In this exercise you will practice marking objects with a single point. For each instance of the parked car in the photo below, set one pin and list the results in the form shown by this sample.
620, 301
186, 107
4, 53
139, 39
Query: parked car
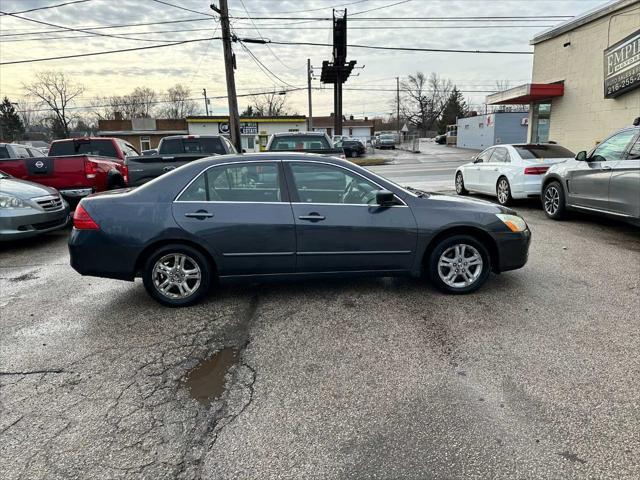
351, 148
173, 152
28, 209
604, 181
75, 167
303, 142
276, 216
387, 140
509, 171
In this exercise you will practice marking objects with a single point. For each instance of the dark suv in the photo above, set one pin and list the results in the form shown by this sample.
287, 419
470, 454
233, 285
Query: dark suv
605, 180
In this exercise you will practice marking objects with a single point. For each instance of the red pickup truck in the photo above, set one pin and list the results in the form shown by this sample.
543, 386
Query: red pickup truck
76, 167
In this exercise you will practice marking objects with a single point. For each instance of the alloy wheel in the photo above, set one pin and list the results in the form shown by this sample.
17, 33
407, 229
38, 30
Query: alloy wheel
503, 191
460, 265
459, 184
176, 276
551, 200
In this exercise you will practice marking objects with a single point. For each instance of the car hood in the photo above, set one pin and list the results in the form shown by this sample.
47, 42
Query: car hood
467, 203
24, 189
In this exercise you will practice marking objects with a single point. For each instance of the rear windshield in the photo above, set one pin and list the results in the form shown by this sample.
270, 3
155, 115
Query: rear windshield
100, 148
299, 142
532, 152
192, 145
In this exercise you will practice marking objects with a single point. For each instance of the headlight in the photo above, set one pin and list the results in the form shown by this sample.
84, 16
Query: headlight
9, 201
514, 222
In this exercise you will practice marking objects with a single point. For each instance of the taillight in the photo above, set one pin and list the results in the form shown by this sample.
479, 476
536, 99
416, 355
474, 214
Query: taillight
90, 169
125, 173
535, 170
82, 220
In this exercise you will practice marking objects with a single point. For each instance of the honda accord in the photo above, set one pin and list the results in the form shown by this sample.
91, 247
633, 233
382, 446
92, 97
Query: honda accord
288, 215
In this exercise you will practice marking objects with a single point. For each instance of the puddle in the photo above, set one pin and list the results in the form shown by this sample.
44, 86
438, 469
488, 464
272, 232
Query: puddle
206, 381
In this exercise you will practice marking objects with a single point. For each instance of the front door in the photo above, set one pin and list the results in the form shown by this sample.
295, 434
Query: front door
624, 186
589, 181
490, 171
242, 212
473, 177
340, 228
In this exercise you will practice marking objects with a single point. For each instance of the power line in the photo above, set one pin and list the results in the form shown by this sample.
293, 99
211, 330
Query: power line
47, 7
317, 9
183, 8
379, 8
262, 65
492, 18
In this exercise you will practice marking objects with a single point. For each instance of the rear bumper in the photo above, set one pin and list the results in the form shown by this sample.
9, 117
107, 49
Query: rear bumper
29, 222
92, 253
76, 192
513, 250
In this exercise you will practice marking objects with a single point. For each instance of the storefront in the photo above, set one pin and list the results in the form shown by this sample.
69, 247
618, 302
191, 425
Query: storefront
254, 131
586, 78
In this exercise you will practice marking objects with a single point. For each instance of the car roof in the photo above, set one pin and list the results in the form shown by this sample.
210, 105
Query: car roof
275, 156
280, 134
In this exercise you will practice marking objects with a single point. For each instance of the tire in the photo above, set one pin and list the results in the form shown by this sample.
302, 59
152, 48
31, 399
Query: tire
161, 264
354, 154
472, 277
460, 190
503, 191
553, 201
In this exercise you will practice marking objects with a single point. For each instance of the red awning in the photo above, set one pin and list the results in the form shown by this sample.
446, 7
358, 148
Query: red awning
527, 93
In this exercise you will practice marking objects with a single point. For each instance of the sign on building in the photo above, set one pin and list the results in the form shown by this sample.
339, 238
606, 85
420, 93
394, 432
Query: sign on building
622, 66
246, 128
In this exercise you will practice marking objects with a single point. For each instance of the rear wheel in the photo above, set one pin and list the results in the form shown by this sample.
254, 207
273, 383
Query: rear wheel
553, 201
503, 191
354, 154
459, 264
177, 275
460, 190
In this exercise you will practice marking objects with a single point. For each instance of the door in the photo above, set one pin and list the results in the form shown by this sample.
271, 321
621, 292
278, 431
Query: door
340, 228
241, 211
491, 170
624, 186
589, 181
472, 173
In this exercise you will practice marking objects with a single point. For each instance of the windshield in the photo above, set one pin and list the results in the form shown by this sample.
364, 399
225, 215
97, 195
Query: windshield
192, 145
299, 142
387, 137
533, 152
102, 148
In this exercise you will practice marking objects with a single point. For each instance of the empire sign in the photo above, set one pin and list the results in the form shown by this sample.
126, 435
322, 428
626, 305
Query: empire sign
622, 66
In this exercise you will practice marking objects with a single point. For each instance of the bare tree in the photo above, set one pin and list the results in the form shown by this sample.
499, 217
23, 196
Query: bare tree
270, 104
28, 113
178, 103
424, 99
140, 103
55, 91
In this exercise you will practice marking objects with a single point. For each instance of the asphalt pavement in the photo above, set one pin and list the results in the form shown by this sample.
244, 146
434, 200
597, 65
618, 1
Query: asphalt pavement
533, 376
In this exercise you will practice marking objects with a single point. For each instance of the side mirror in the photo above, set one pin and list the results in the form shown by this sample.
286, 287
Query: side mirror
384, 198
581, 156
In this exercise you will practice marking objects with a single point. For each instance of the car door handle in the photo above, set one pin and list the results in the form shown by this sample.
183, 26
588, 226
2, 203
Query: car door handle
169, 168
200, 215
606, 167
314, 217
495, 169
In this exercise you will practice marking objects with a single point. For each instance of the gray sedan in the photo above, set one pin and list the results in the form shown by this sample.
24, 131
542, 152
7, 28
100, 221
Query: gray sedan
28, 209
604, 181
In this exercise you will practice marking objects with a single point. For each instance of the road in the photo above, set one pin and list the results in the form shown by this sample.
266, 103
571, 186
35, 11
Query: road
534, 376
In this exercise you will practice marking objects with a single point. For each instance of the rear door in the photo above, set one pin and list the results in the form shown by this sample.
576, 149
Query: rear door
242, 212
340, 228
624, 186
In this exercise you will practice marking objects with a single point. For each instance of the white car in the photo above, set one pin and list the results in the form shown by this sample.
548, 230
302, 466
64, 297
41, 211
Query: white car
510, 171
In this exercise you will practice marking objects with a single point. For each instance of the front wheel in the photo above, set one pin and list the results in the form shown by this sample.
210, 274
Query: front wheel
459, 264
177, 275
553, 201
503, 191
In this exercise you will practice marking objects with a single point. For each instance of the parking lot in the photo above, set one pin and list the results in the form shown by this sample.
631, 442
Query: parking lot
534, 376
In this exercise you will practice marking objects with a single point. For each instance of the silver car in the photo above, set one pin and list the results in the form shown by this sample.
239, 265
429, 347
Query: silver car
28, 209
606, 180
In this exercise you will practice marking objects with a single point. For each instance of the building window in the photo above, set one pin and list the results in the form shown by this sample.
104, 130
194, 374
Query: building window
250, 144
145, 143
540, 122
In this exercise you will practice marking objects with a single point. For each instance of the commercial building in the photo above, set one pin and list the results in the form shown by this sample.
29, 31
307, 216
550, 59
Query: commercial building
482, 131
361, 128
254, 131
142, 133
586, 77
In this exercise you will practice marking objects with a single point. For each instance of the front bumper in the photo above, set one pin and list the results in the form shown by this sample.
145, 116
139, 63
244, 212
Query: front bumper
28, 222
513, 249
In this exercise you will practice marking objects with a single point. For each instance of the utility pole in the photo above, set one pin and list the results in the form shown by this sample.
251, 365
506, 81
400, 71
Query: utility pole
206, 101
398, 103
310, 122
229, 66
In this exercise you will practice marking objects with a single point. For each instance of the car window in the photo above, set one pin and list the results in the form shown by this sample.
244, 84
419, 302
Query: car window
299, 142
317, 183
500, 155
634, 151
128, 150
102, 148
541, 151
34, 152
484, 156
4, 153
244, 182
613, 148
192, 145
21, 152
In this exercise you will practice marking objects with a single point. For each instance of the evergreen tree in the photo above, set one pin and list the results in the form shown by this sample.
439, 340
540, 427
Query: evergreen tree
455, 108
248, 112
11, 127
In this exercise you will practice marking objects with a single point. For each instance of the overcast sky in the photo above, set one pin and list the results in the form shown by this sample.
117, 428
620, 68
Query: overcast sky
200, 65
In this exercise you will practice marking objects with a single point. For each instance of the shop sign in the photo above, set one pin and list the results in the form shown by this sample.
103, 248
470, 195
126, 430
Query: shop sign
622, 66
246, 128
